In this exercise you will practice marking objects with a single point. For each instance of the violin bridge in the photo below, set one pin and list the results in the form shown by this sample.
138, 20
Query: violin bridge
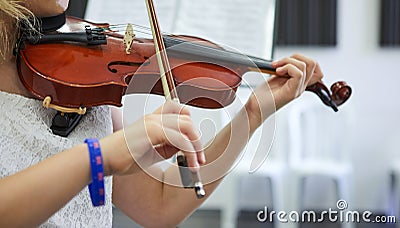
128, 38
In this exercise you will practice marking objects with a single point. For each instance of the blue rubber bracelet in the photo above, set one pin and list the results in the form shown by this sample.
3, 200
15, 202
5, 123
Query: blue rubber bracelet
96, 187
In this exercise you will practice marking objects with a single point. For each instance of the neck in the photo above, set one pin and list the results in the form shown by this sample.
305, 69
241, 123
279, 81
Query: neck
10, 80
205, 53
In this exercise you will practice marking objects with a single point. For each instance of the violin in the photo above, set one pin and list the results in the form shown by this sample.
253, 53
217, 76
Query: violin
87, 64
92, 64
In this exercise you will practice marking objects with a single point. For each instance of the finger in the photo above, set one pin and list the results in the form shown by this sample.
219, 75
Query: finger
318, 75
167, 151
291, 71
183, 124
296, 83
289, 60
179, 123
166, 136
174, 142
192, 161
172, 107
186, 128
295, 62
310, 66
318, 70
201, 157
179, 141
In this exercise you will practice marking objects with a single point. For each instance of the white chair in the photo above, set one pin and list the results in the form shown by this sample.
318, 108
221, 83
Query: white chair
391, 148
318, 140
394, 188
272, 174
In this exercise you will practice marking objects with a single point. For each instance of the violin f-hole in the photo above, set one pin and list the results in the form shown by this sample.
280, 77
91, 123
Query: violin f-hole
124, 63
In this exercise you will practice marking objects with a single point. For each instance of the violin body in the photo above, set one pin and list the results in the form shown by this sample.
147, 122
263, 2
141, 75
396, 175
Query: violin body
68, 73
78, 75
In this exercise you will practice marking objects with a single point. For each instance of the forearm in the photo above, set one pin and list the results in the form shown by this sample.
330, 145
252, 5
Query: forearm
221, 155
30, 197
171, 204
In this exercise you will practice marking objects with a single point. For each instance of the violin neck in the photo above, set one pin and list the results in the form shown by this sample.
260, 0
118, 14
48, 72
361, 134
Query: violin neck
200, 52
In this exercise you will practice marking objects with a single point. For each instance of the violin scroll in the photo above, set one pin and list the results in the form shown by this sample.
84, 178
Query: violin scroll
339, 94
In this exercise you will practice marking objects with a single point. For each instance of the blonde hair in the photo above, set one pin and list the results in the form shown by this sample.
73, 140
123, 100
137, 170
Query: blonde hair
12, 14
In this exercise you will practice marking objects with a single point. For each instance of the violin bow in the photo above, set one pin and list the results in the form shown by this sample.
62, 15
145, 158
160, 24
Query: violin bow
189, 178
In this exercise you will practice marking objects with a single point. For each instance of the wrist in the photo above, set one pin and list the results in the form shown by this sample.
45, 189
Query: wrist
106, 159
258, 110
116, 155
261, 104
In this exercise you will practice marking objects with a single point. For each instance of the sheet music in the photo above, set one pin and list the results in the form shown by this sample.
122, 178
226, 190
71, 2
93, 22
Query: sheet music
245, 25
132, 11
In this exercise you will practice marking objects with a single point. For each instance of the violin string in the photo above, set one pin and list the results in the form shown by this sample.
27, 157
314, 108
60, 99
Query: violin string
147, 31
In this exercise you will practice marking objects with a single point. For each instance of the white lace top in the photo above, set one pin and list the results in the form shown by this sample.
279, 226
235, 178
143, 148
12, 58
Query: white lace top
26, 139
